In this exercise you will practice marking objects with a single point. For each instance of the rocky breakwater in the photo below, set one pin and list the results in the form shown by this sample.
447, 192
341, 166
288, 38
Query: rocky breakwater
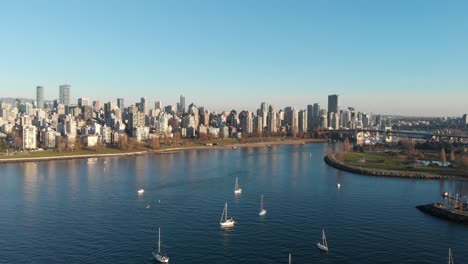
445, 212
332, 161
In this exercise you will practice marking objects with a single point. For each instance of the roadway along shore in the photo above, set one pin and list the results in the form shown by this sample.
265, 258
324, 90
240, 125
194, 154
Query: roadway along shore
163, 151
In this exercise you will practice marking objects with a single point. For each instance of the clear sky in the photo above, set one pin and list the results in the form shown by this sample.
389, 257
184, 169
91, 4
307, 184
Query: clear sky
395, 57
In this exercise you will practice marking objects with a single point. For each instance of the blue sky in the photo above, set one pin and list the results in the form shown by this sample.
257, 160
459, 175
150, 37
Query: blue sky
400, 57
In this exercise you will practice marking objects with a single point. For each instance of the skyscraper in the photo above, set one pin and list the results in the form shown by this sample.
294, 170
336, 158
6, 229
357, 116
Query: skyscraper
158, 105
182, 104
310, 116
144, 105
317, 115
64, 94
40, 97
333, 103
83, 102
120, 103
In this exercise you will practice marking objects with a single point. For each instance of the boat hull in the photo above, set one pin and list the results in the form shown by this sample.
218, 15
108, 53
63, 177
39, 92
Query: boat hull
160, 258
238, 191
262, 212
322, 247
227, 223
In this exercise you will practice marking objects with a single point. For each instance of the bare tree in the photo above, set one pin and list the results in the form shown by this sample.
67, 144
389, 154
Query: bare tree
123, 142
346, 145
443, 155
17, 139
61, 144
452, 156
177, 138
154, 143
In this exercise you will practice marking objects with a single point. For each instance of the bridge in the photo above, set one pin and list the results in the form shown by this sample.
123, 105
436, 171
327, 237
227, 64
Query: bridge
361, 134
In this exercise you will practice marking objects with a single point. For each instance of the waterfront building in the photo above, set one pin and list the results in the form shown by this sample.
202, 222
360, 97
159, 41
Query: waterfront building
29, 137
70, 129
40, 97
302, 121
323, 118
465, 119
48, 138
162, 126
258, 125
272, 122
64, 94
310, 116
294, 121
136, 119
334, 120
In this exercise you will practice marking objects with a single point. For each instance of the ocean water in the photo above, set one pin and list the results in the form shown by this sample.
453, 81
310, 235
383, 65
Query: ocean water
80, 211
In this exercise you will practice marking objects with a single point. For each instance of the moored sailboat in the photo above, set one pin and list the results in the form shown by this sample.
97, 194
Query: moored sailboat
224, 221
159, 256
323, 245
237, 188
450, 258
263, 211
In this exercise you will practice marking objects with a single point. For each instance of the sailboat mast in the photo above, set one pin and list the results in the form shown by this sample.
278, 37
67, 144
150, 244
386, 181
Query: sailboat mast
159, 240
450, 260
289, 258
261, 203
225, 216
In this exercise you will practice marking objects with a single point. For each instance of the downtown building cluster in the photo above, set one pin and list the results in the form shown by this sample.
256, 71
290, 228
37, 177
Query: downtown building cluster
60, 123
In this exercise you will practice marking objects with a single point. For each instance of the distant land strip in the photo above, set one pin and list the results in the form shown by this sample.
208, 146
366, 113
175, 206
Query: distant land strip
331, 160
162, 151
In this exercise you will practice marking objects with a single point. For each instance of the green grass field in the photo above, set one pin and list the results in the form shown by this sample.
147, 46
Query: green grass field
396, 162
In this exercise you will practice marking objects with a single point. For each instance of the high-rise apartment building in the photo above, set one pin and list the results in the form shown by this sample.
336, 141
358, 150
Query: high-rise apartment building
333, 103
158, 105
64, 94
181, 105
83, 102
316, 115
120, 103
144, 105
40, 97
302, 122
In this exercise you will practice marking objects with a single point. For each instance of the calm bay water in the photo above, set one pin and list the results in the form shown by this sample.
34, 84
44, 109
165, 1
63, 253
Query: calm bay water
81, 211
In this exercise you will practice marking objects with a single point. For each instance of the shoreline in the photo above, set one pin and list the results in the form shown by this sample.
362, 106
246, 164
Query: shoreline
331, 161
443, 212
164, 151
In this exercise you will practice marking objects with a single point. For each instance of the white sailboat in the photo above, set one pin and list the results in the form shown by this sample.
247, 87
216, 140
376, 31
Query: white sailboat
323, 245
141, 191
224, 221
450, 259
237, 189
263, 211
289, 258
159, 256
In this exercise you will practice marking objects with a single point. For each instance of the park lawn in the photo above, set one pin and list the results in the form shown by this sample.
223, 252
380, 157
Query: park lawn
54, 153
388, 161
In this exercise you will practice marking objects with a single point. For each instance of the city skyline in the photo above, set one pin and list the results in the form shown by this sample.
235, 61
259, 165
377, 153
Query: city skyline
224, 56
